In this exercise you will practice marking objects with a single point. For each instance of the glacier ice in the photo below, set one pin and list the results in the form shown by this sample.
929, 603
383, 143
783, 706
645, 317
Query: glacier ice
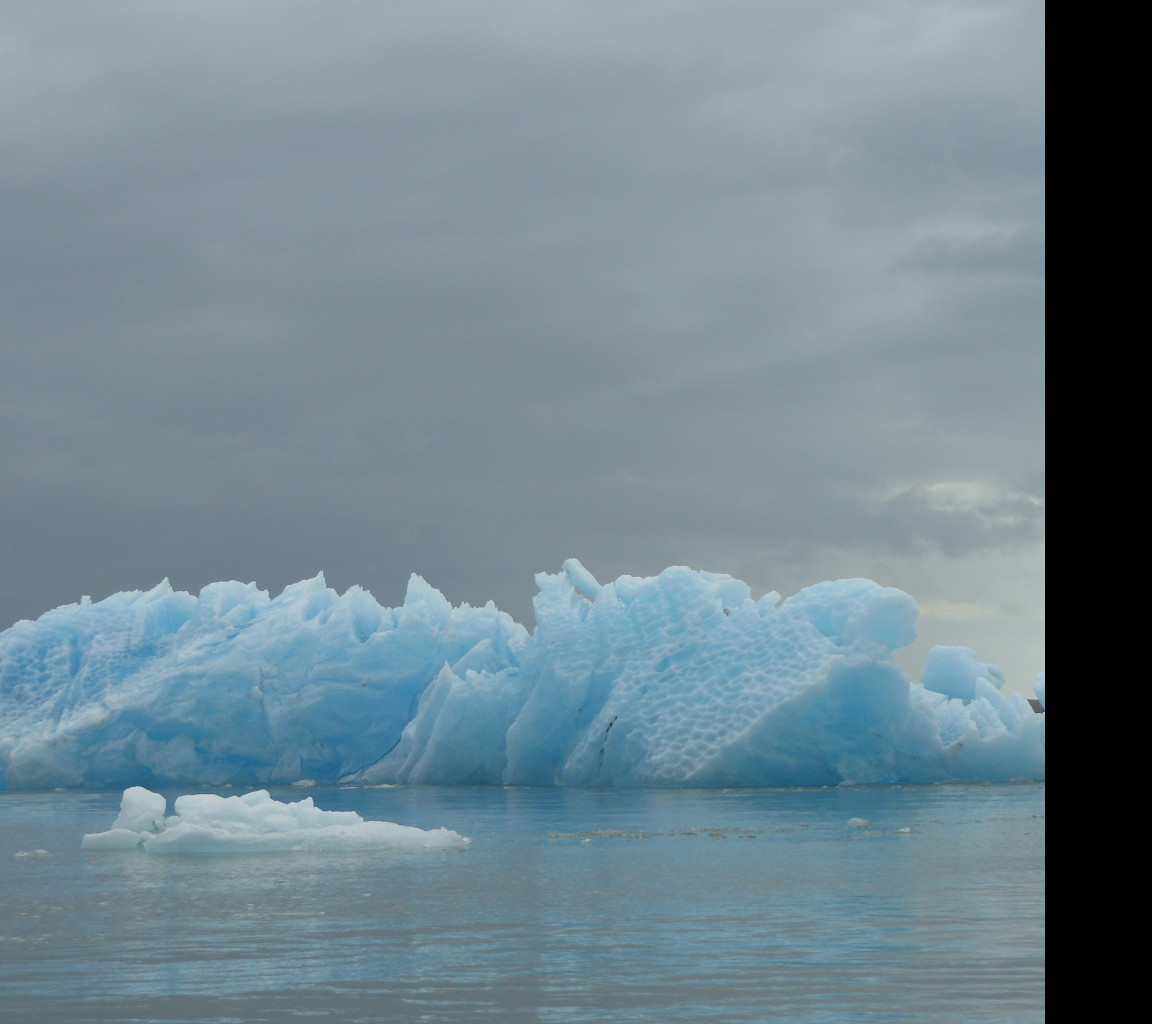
681, 679
254, 823
958, 672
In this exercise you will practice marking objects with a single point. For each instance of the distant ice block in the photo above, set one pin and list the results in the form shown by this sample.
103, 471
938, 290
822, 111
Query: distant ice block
140, 810
958, 672
255, 823
681, 679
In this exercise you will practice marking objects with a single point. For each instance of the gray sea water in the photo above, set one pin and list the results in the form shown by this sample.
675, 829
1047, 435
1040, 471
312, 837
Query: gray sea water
570, 905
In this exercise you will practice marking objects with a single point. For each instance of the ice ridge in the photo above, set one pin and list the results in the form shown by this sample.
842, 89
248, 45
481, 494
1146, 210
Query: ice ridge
681, 679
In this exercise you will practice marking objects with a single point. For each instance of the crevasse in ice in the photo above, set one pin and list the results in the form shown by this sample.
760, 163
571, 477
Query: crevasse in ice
676, 680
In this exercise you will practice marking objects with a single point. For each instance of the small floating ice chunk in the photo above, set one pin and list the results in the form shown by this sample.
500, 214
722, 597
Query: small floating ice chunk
254, 822
140, 810
859, 822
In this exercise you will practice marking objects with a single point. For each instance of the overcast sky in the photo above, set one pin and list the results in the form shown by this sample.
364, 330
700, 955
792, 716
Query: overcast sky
468, 288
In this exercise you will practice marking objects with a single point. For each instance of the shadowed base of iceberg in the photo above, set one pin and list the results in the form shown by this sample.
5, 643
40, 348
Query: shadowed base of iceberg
676, 680
255, 823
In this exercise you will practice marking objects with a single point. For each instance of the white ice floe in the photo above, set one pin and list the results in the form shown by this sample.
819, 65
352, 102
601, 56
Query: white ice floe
254, 823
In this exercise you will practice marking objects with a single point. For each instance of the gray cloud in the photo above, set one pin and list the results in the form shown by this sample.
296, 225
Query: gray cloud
1021, 251
466, 289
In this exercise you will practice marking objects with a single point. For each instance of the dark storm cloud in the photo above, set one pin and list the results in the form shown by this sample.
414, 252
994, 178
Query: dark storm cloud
465, 289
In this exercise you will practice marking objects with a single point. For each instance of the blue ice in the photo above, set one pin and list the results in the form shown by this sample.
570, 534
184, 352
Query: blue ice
681, 679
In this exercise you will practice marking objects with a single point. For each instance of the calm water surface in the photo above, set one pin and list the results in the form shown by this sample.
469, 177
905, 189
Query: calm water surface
570, 905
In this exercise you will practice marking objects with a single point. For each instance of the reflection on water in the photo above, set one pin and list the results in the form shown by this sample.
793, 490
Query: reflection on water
570, 905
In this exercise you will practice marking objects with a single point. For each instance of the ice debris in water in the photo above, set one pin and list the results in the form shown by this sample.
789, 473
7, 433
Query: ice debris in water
254, 823
681, 679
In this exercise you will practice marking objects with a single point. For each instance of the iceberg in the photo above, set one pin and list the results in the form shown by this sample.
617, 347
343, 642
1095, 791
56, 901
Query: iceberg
254, 823
680, 679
